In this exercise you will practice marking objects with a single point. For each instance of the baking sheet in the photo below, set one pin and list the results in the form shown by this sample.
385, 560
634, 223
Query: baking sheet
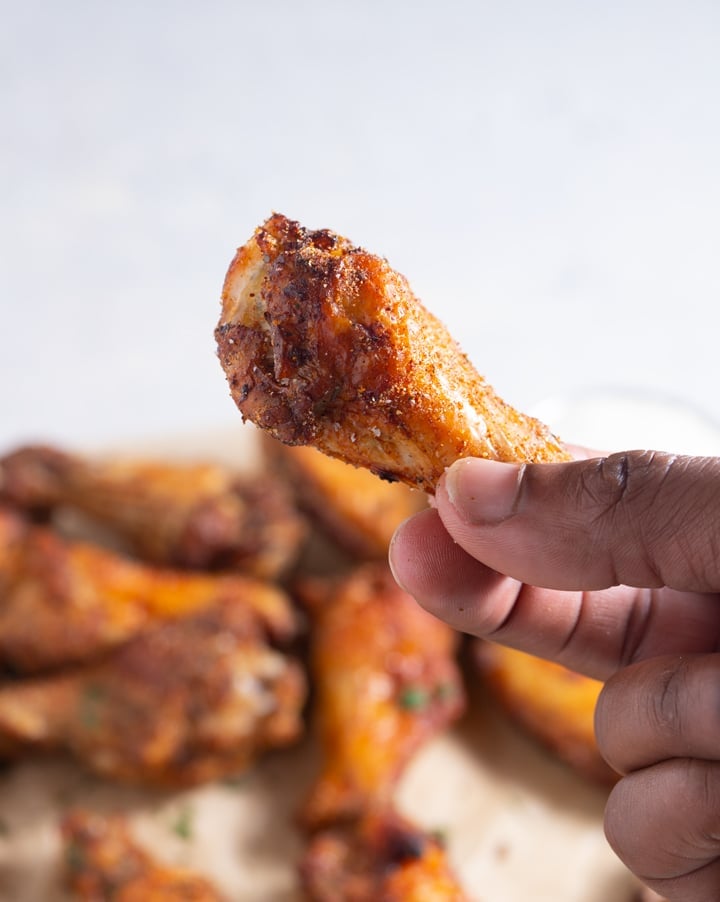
519, 825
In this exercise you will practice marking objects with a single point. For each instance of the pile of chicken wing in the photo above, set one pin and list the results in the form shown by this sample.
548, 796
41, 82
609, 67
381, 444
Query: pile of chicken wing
168, 624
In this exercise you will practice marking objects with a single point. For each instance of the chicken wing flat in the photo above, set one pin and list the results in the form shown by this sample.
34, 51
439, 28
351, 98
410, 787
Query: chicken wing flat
325, 344
198, 515
356, 509
380, 858
103, 863
554, 704
386, 681
64, 601
181, 704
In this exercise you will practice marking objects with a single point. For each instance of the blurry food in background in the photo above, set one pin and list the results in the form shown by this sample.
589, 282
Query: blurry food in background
198, 515
554, 704
324, 344
354, 507
385, 680
173, 677
182, 703
380, 856
64, 601
103, 863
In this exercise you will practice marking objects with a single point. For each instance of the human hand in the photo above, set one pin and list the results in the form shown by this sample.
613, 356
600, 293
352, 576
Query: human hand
599, 564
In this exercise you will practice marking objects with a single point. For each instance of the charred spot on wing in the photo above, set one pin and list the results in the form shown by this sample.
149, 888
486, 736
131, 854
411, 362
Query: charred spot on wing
324, 239
403, 845
373, 333
386, 475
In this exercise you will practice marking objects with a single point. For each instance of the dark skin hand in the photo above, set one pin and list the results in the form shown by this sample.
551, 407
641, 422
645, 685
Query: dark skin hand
611, 567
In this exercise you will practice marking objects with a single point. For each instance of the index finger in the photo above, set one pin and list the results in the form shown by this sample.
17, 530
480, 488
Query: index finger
594, 633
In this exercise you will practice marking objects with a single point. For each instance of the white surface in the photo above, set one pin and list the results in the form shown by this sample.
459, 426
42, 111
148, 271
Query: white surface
608, 419
545, 174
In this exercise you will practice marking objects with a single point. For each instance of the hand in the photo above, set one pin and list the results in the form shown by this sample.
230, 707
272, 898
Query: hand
599, 564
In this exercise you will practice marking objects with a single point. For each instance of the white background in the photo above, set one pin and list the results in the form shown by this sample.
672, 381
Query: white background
547, 175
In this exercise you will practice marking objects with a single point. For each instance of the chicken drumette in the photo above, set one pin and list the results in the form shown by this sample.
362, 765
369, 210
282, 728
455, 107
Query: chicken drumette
182, 703
197, 515
385, 679
64, 601
325, 344
352, 506
103, 863
378, 858
554, 704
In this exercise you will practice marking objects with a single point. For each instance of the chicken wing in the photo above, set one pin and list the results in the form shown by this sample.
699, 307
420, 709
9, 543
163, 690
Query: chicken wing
380, 858
197, 515
103, 863
356, 509
324, 344
385, 679
180, 704
554, 704
64, 601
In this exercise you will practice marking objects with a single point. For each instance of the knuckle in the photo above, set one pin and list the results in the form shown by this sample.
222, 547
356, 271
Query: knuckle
667, 706
623, 479
625, 491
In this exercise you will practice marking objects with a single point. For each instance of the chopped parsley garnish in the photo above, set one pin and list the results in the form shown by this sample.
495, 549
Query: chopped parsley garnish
91, 703
183, 825
413, 698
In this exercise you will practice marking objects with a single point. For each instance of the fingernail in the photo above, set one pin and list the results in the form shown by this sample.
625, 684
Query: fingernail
482, 491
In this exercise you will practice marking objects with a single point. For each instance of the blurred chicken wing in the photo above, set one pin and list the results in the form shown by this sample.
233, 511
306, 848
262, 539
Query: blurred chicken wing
65, 601
185, 515
103, 863
182, 703
356, 509
324, 344
379, 858
386, 681
554, 704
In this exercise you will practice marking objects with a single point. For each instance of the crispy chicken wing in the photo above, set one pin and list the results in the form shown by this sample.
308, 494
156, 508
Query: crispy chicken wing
65, 601
386, 680
324, 344
356, 509
182, 703
103, 863
186, 515
554, 704
379, 858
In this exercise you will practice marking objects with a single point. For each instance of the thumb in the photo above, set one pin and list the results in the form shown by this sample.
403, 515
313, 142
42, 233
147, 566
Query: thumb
641, 518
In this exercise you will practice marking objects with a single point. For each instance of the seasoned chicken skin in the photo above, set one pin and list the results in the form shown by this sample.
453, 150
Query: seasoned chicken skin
103, 863
379, 858
386, 681
554, 704
198, 515
325, 344
180, 704
64, 601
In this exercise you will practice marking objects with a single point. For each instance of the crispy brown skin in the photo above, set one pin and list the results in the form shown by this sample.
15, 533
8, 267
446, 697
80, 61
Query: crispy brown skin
103, 863
554, 704
198, 515
182, 703
64, 601
380, 858
386, 681
325, 344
